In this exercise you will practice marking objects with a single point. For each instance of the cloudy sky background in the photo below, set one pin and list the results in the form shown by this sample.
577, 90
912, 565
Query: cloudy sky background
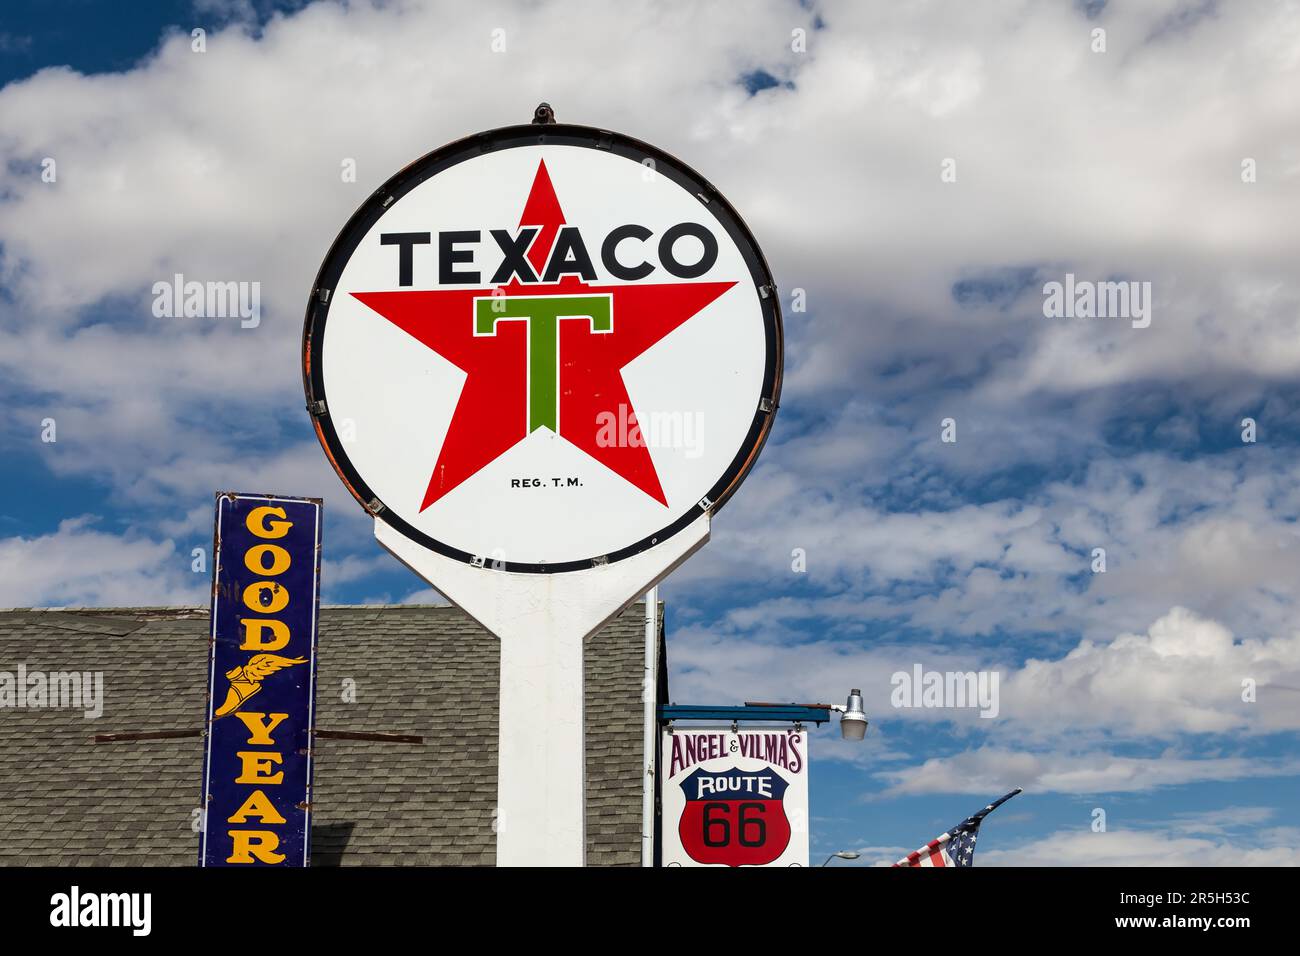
1120, 691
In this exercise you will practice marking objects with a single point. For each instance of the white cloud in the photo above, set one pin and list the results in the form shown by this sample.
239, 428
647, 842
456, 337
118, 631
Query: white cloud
78, 565
1183, 676
1156, 844
335, 573
1221, 821
1082, 847
226, 164
993, 769
1186, 674
424, 596
1216, 535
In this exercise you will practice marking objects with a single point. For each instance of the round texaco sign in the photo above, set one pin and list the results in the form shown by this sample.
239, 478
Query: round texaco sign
543, 348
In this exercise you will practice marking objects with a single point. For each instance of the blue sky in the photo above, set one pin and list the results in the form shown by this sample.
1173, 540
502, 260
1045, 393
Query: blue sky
924, 301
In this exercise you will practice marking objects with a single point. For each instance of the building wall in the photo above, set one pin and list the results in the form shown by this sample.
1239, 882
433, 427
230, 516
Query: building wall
429, 671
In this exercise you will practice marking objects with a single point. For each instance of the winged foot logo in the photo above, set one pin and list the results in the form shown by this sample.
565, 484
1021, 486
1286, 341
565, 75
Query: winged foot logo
246, 680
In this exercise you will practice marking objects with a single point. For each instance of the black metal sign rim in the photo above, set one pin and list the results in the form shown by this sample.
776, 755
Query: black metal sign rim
340, 252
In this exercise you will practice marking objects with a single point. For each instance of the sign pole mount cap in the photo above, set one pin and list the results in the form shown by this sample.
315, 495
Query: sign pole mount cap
544, 115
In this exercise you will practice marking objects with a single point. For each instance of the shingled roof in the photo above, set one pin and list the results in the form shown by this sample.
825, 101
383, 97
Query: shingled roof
425, 670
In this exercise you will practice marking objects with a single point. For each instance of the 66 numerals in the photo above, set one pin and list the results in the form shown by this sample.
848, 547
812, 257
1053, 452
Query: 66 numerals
731, 824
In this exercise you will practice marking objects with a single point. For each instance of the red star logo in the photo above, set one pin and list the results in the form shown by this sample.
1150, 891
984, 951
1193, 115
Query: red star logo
499, 405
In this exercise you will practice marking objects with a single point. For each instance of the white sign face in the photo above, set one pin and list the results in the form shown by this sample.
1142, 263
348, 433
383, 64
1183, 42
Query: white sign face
543, 349
734, 798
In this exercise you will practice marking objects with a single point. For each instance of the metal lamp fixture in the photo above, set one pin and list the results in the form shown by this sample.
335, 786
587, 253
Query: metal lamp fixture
841, 855
853, 720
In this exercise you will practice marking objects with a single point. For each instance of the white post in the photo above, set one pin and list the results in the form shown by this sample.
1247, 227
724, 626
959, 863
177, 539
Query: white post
541, 777
650, 687
542, 621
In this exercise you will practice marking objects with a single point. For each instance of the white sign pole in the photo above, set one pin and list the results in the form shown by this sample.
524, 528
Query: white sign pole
541, 771
650, 731
542, 621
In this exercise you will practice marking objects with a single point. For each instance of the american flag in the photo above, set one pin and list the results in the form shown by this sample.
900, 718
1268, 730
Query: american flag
957, 846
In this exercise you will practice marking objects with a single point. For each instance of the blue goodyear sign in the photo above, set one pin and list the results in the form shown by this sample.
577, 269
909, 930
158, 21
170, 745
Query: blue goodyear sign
262, 682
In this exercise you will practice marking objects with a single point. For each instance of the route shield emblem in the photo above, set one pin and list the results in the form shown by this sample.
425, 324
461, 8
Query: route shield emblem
734, 818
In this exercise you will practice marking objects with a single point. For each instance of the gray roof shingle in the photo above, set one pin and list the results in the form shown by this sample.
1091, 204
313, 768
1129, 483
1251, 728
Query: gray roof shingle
426, 670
